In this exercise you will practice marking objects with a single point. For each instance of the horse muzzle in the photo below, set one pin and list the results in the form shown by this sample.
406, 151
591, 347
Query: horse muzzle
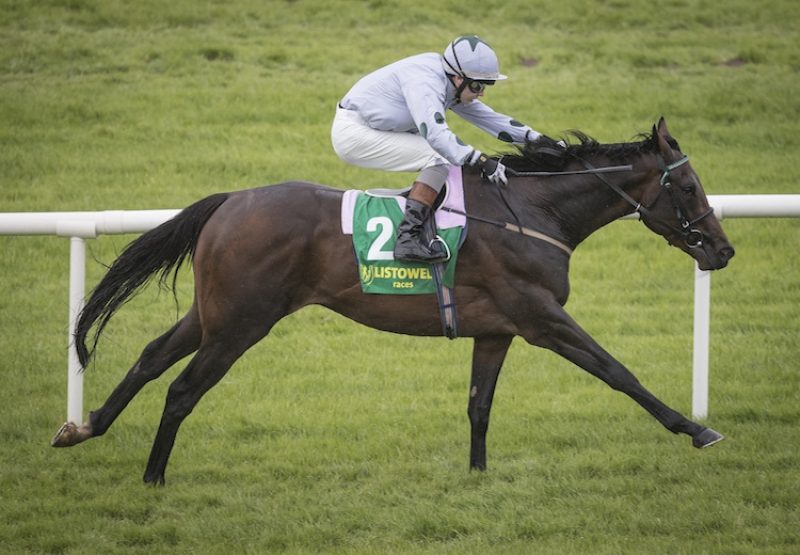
714, 259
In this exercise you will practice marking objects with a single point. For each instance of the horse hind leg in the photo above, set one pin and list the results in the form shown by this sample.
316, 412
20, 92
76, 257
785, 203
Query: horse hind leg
159, 355
211, 362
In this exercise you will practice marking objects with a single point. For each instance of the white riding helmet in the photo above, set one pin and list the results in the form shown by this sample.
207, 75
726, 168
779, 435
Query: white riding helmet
470, 57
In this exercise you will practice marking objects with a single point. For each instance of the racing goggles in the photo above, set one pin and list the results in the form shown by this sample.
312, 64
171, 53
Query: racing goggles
478, 86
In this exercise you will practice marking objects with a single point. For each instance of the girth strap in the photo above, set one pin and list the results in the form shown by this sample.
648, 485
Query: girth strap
444, 294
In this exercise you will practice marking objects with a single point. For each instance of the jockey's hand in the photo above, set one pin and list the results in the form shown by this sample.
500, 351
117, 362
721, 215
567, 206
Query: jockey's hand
492, 170
495, 172
549, 153
532, 137
546, 141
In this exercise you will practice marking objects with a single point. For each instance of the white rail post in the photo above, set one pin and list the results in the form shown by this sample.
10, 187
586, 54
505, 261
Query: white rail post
77, 287
78, 230
702, 331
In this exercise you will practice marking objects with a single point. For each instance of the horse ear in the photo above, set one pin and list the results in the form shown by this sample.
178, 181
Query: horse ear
660, 136
662, 127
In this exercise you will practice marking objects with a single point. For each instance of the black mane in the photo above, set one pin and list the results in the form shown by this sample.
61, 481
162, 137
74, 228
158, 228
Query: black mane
538, 155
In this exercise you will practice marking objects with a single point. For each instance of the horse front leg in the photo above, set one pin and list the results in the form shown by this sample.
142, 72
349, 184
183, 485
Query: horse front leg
488, 354
561, 334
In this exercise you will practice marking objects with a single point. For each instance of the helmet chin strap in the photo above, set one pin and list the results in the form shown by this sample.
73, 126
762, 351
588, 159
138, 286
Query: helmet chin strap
459, 88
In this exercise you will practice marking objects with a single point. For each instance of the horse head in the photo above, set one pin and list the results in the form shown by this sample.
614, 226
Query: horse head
676, 207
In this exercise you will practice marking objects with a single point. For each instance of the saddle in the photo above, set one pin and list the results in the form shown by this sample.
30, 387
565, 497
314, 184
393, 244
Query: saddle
372, 217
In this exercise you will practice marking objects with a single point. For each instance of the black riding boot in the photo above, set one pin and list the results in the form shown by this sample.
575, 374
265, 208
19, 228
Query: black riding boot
411, 245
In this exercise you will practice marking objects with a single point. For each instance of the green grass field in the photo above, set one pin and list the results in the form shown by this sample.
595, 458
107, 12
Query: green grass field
322, 439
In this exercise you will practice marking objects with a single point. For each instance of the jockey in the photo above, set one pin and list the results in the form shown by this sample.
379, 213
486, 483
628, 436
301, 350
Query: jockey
394, 119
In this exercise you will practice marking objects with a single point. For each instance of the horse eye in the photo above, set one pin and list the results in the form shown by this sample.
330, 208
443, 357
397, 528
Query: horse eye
688, 189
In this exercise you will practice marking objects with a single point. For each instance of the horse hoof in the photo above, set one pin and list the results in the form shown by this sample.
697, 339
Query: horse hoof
155, 480
707, 438
65, 436
71, 434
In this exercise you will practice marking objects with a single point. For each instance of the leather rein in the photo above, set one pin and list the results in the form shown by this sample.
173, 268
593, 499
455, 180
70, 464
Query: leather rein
693, 237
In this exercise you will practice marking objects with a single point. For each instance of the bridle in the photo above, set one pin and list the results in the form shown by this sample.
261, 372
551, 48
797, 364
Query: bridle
691, 235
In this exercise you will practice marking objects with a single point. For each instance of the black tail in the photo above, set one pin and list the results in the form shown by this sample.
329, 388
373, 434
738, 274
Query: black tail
162, 249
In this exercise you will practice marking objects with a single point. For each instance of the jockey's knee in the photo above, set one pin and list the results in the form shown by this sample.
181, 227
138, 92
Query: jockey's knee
434, 176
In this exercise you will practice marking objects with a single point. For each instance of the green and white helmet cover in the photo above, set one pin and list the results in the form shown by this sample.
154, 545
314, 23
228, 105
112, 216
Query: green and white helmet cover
470, 57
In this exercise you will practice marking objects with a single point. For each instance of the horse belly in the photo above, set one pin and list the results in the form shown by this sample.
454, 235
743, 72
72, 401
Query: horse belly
409, 315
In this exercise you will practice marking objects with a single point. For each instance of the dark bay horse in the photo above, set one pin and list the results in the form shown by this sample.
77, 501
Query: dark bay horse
261, 254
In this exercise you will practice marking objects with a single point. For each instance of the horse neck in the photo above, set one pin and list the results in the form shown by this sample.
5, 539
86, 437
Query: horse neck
577, 206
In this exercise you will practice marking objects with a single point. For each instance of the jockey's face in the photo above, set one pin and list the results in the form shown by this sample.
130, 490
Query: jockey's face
467, 95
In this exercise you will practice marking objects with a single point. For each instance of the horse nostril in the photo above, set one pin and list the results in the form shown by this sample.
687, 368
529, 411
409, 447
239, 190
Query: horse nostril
727, 253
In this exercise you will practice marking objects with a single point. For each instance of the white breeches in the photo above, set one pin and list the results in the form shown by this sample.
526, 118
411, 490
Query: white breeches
357, 143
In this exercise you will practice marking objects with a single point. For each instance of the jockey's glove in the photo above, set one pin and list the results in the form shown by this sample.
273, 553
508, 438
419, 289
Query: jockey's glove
550, 154
492, 169
531, 137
